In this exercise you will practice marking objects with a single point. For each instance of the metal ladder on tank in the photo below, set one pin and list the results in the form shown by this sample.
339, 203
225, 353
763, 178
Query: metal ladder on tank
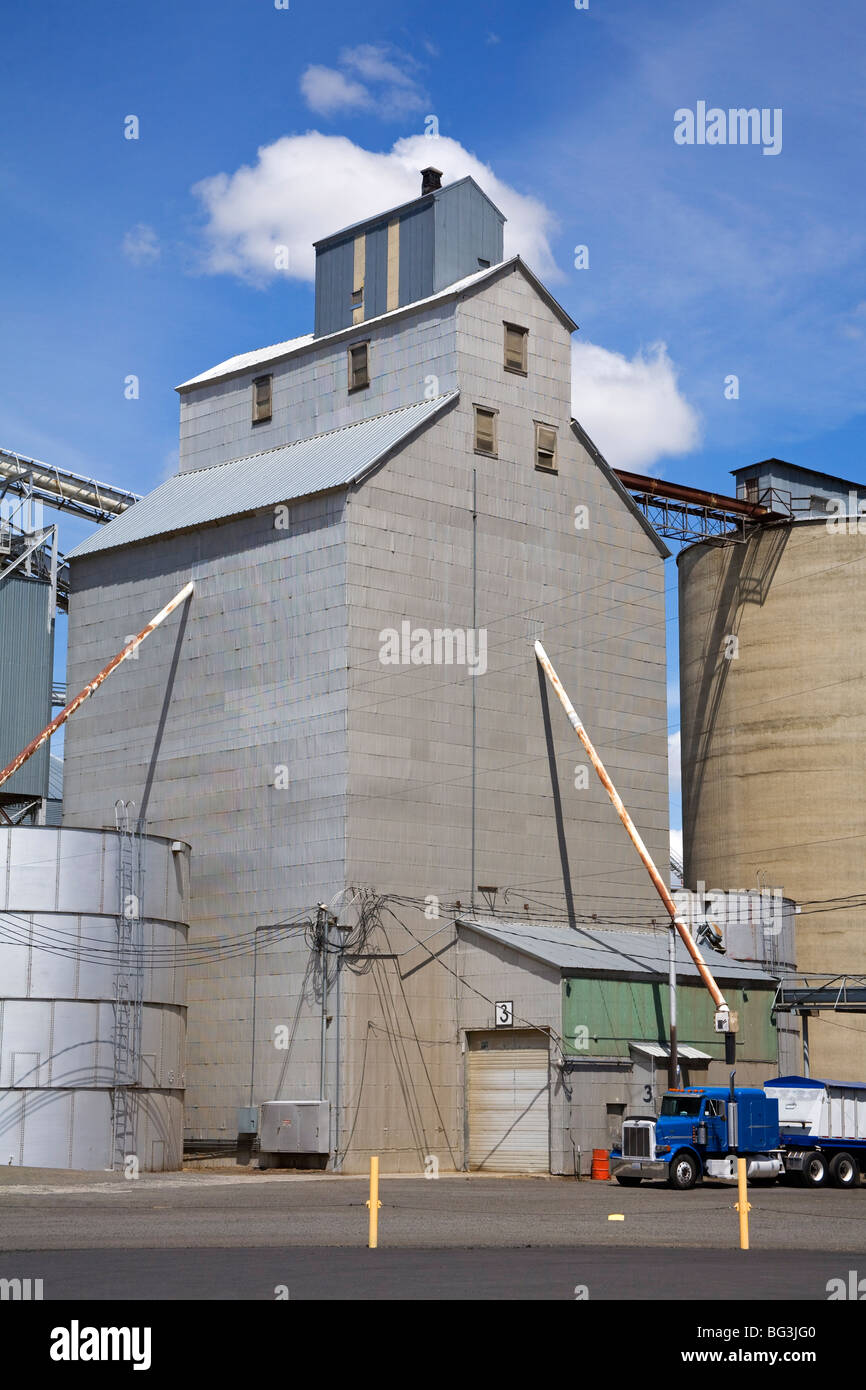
128, 986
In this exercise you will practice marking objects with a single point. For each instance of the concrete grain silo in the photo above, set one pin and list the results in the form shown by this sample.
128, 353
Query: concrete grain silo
773, 695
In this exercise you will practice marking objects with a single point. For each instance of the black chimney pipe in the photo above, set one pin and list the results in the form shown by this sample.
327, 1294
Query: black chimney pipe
431, 179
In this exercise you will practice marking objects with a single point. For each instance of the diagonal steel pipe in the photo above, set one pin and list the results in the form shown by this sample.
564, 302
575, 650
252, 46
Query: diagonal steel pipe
634, 835
61, 718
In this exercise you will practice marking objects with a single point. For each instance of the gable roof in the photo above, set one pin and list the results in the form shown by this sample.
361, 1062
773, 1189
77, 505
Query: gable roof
280, 352
322, 463
635, 954
423, 199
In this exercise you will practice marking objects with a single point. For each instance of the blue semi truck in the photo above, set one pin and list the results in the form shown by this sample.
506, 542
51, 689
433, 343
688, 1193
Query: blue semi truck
795, 1128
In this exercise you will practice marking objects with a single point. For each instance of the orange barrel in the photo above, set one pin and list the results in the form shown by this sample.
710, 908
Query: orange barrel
601, 1164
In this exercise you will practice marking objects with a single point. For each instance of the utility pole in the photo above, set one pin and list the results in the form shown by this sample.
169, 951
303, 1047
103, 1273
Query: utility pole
804, 1017
322, 939
673, 1059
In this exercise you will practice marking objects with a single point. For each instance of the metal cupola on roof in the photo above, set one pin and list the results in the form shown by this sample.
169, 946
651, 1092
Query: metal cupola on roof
407, 253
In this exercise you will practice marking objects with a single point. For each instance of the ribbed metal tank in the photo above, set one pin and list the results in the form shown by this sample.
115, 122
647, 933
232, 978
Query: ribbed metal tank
59, 905
773, 717
27, 646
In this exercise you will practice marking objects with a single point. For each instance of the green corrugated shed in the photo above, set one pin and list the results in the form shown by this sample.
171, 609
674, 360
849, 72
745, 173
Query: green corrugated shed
617, 1012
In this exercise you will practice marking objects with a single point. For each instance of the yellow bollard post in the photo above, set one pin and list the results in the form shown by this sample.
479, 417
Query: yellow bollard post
743, 1206
374, 1204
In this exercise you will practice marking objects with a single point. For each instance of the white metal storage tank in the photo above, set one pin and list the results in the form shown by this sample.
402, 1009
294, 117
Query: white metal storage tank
60, 895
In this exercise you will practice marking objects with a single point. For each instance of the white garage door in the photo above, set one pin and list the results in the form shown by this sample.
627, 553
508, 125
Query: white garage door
507, 1079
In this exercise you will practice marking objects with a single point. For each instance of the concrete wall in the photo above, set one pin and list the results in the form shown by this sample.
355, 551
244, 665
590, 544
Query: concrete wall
772, 741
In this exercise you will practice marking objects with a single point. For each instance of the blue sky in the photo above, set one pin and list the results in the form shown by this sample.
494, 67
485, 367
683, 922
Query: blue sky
738, 262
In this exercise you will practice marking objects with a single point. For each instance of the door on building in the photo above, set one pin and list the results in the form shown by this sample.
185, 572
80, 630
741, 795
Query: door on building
507, 1102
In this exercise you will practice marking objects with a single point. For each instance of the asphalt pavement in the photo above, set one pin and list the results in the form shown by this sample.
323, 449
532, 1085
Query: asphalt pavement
274, 1235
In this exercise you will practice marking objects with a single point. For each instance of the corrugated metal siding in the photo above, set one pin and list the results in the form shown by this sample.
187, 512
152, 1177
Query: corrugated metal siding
334, 268
263, 480
617, 1012
509, 1128
468, 228
376, 279
27, 649
416, 254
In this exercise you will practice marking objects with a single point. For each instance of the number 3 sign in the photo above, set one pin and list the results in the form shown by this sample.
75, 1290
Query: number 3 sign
504, 1014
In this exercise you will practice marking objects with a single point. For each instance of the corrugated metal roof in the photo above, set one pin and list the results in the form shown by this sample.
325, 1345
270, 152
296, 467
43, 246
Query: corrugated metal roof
244, 485
603, 952
244, 360
379, 217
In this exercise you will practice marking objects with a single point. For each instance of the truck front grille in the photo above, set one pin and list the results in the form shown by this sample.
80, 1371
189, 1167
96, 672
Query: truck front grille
636, 1141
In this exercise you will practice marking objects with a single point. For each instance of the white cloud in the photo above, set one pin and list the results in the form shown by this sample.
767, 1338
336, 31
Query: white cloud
141, 244
393, 89
303, 187
375, 63
327, 91
633, 409
677, 844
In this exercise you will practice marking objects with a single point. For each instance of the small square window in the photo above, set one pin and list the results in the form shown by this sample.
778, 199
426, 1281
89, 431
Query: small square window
357, 297
262, 398
516, 340
545, 447
359, 366
485, 431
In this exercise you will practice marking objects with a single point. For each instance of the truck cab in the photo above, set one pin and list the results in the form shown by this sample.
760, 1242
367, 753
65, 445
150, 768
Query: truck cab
690, 1138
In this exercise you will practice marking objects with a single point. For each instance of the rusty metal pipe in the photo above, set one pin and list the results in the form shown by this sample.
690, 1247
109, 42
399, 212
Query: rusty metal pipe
659, 883
88, 690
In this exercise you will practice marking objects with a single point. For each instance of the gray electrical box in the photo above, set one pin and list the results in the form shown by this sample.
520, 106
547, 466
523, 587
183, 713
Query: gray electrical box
295, 1127
248, 1121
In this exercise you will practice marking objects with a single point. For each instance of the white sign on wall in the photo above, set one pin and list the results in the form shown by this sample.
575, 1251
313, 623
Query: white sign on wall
504, 1013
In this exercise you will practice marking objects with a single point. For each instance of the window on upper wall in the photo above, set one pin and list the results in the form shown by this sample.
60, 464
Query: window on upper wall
359, 366
263, 388
485, 430
545, 447
516, 340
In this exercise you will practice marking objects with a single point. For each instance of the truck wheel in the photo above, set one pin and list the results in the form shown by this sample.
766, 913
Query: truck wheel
814, 1173
844, 1171
683, 1172
627, 1181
